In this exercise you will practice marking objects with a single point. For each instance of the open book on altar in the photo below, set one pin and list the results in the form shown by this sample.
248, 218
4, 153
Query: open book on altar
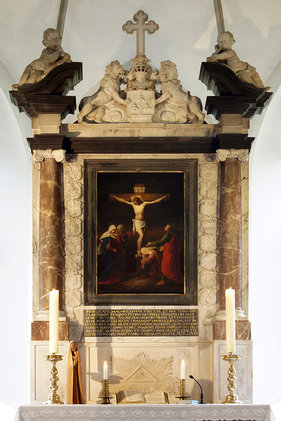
132, 396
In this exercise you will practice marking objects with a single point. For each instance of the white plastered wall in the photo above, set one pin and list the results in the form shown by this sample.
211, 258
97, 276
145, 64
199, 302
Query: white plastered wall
265, 254
15, 253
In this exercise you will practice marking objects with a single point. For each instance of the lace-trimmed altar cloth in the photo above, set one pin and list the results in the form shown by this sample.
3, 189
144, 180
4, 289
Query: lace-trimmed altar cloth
144, 412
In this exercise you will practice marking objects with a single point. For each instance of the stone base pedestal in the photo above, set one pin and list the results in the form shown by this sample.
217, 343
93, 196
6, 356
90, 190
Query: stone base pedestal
244, 372
150, 364
40, 371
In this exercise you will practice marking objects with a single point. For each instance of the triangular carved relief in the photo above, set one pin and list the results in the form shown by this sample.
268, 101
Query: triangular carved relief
144, 373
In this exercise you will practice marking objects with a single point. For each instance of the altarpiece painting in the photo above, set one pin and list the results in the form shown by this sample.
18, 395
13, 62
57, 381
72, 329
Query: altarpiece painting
140, 232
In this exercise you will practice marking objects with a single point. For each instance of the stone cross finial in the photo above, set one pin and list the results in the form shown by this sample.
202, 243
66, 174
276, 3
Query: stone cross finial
140, 27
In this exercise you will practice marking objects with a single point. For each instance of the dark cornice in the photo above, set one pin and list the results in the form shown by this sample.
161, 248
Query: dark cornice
140, 145
232, 96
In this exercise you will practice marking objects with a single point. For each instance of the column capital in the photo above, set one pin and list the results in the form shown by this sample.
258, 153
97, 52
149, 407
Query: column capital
240, 154
39, 155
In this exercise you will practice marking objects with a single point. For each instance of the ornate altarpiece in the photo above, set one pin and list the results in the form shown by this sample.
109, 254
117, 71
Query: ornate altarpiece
139, 132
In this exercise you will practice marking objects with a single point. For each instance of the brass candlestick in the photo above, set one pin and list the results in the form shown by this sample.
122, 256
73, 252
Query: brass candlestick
231, 397
53, 398
106, 398
182, 396
182, 388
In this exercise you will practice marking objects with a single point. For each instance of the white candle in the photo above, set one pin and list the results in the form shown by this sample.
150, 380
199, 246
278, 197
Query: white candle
53, 321
105, 371
230, 320
182, 370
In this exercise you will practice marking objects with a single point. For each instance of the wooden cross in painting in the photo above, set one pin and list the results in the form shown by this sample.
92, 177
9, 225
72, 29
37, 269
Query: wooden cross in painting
139, 200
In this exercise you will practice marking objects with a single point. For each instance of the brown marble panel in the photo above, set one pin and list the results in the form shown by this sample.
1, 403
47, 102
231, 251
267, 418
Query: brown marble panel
51, 231
243, 330
40, 331
230, 230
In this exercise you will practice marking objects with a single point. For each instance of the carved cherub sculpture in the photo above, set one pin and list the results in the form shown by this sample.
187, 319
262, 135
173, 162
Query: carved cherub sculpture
52, 56
225, 55
175, 105
96, 108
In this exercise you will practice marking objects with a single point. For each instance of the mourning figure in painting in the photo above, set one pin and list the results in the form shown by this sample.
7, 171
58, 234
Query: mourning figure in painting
109, 250
170, 246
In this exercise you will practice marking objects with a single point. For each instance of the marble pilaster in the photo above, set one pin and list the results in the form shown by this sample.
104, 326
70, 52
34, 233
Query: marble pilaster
50, 226
230, 275
230, 225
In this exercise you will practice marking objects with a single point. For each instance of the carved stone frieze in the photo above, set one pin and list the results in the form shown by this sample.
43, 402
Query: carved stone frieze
73, 226
208, 207
208, 189
209, 172
208, 261
73, 281
73, 245
73, 262
208, 226
73, 190
73, 298
73, 199
208, 296
207, 242
208, 279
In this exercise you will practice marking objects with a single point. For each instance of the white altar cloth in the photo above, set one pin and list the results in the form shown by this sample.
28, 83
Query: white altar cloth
143, 412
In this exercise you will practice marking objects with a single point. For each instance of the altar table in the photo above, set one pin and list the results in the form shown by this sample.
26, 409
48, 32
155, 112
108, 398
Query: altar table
143, 412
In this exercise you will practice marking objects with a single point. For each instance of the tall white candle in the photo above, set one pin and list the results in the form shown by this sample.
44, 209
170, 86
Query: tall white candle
182, 370
105, 371
53, 321
230, 320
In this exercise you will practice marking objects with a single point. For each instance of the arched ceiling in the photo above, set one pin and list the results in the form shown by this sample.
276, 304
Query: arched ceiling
187, 35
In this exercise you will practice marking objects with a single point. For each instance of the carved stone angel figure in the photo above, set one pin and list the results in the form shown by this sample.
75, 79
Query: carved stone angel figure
175, 105
225, 55
52, 56
106, 105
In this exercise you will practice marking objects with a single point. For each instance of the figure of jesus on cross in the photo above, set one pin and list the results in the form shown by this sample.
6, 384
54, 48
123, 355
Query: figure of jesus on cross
138, 205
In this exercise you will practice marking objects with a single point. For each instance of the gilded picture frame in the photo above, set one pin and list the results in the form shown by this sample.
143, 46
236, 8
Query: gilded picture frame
140, 232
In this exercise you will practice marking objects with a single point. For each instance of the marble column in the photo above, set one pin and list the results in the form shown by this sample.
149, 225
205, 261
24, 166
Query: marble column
230, 224
229, 275
50, 226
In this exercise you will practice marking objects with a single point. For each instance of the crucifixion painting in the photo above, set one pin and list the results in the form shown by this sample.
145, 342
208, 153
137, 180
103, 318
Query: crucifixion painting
140, 232
139, 204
